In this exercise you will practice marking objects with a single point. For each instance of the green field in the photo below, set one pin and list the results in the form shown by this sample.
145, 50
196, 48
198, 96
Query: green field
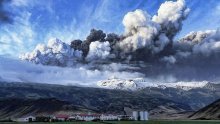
129, 122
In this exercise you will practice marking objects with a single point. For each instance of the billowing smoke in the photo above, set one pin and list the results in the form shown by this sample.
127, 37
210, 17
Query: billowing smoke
203, 42
144, 37
5, 16
196, 47
98, 51
95, 35
147, 46
55, 52
139, 31
154, 33
170, 16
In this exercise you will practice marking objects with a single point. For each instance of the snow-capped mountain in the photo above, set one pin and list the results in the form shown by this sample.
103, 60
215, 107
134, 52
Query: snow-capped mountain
123, 84
140, 83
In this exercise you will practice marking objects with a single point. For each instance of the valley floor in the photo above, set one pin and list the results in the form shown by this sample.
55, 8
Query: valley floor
130, 122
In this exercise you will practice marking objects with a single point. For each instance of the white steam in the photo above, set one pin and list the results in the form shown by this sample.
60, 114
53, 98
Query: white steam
21, 71
55, 52
140, 30
170, 16
155, 33
98, 51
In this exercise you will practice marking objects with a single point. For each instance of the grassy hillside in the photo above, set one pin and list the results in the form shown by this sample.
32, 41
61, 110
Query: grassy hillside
211, 111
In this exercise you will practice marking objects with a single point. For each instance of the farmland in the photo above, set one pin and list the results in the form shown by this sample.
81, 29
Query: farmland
130, 122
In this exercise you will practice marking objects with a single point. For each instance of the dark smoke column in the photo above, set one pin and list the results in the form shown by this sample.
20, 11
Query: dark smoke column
95, 35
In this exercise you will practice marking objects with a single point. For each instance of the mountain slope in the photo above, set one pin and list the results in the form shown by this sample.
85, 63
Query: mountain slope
211, 111
14, 108
83, 98
167, 101
20, 107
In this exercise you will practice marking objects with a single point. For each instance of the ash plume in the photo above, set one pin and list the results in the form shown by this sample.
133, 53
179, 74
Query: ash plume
201, 44
95, 35
98, 51
146, 46
145, 37
55, 52
153, 36
170, 16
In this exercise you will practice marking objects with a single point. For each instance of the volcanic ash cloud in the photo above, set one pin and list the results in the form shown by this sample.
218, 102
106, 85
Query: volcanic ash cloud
55, 52
146, 38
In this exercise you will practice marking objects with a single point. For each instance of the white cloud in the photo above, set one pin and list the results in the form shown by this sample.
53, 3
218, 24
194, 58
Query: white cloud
20, 2
67, 33
216, 10
40, 4
22, 35
18, 36
21, 71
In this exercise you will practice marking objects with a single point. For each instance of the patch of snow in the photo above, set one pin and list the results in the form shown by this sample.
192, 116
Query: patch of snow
140, 83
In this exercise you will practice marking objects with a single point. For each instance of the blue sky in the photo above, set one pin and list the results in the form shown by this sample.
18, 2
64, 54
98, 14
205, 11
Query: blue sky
35, 21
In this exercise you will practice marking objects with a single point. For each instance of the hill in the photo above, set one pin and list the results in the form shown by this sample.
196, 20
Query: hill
211, 112
14, 108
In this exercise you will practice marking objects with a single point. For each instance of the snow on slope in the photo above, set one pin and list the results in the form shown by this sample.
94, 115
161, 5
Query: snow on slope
115, 83
140, 83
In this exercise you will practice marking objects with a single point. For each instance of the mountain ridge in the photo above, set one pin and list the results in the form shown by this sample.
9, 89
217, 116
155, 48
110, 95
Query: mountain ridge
169, 101
141, 83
